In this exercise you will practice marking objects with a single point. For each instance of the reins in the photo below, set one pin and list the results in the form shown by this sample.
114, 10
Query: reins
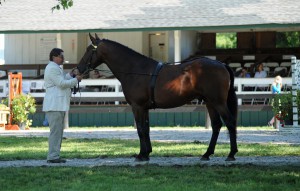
133, 73
86, 72
77, 89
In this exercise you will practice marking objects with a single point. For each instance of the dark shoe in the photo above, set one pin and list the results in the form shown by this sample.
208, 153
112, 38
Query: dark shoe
56, 161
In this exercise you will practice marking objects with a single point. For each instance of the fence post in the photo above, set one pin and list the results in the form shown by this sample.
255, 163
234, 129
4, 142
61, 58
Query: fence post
295, 84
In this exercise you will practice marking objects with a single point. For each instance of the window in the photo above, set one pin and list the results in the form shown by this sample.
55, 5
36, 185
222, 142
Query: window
226, 40
287, 39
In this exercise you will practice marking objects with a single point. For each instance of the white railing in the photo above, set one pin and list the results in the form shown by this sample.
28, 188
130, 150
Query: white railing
110, 89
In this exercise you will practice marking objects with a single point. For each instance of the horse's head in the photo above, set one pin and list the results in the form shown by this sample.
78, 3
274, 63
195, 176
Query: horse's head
90, 60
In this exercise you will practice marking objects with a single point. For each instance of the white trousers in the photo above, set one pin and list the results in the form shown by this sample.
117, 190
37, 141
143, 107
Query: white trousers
56, 124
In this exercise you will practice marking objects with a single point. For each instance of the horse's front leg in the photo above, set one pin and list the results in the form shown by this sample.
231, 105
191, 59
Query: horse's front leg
143, 129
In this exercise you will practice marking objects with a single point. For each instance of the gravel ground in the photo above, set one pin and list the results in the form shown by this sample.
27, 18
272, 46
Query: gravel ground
169, 135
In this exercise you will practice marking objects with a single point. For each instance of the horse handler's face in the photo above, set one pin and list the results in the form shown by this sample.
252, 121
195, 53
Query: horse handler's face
59, 59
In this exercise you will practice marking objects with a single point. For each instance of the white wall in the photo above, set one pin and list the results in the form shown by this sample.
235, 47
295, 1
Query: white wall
35, 49
133, 40
70, 47
1, 49
170, 46
188, 43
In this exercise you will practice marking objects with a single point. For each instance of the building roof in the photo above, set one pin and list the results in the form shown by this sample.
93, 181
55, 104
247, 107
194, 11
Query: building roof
27, 16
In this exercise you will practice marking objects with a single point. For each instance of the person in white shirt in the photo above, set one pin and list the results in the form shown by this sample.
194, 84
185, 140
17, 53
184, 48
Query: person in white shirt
260, 73
57, 101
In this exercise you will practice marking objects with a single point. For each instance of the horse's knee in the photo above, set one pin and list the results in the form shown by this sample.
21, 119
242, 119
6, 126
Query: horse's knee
216, 126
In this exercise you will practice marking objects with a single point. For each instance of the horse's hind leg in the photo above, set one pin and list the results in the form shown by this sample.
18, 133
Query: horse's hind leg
216, 124
230, 122
143, 129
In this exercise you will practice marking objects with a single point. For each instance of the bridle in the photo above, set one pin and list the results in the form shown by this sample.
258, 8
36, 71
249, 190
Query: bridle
87, 63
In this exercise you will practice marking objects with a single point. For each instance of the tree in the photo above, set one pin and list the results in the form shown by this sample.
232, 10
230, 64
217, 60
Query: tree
226, 40
65, 4
288, 39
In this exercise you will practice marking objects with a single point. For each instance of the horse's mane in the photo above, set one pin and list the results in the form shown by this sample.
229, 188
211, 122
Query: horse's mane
126, 49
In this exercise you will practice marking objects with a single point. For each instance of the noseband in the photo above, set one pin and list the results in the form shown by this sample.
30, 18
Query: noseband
88, 61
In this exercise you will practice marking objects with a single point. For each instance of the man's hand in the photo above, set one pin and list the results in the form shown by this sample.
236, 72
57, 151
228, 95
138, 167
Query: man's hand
74, 72
79, 78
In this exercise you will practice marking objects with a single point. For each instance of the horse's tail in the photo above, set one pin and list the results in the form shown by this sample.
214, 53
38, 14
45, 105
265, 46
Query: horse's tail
232, 98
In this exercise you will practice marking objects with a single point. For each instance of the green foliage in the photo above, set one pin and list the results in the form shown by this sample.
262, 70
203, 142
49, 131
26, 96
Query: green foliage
226, 40
142, 177
12, 148
22, 105
287, 39
65, 4
283, 40
283, 106
151, 178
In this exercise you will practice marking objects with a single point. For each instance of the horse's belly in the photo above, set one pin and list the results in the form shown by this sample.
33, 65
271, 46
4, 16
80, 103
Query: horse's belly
171, 101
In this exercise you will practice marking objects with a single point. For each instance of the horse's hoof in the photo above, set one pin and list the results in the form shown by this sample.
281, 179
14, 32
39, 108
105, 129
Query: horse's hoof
139, 158
143, 159
204, 158
230, 159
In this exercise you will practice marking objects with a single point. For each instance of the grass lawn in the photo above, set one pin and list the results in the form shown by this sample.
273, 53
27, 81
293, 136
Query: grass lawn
151, 178
147, 177
17, 148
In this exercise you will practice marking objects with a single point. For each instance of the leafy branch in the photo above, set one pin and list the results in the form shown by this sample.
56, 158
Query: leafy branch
64, 4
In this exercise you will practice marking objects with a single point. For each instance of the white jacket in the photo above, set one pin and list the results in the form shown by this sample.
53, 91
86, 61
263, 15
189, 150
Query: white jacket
58, 88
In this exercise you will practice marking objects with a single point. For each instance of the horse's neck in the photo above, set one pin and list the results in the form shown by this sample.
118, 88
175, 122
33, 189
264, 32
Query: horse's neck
121, 60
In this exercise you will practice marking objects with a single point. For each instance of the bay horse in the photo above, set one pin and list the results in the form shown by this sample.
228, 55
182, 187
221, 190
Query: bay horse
148, 84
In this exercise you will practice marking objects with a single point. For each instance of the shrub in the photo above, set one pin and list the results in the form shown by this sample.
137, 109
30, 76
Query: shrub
283, 106
22, 105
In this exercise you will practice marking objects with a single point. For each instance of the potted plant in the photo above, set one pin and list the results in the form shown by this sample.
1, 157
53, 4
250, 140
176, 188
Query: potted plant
22, 105
282, 107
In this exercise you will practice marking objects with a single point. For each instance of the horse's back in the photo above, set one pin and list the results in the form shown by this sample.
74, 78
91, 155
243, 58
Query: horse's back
199, 72
195, 79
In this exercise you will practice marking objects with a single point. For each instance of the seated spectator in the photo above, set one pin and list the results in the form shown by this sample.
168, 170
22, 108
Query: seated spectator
259, 72
244, 73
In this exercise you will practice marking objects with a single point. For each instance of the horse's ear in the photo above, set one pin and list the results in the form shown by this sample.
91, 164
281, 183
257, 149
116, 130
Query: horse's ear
92, 39
97, 38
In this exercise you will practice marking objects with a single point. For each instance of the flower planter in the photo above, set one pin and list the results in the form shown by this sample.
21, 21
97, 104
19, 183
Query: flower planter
22, 126
12, 127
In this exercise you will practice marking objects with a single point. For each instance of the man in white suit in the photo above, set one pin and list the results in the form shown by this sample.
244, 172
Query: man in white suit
57, 101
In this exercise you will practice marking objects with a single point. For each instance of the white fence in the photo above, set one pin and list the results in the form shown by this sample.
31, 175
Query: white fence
98, 90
